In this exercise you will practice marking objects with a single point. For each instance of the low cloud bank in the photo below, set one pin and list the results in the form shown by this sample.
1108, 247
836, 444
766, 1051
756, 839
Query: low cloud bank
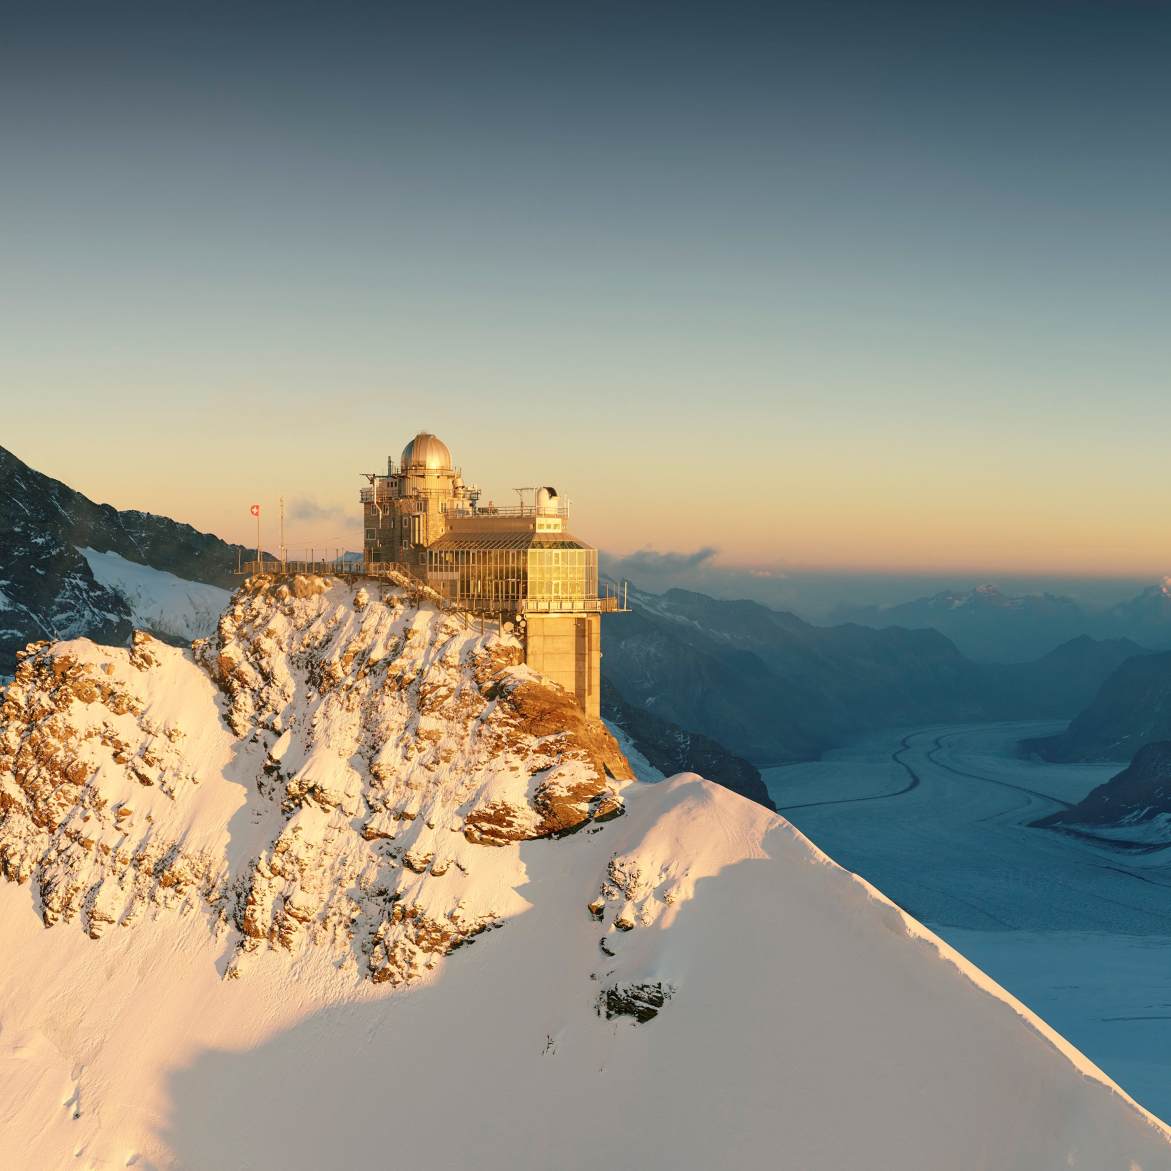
818, 595
651, 561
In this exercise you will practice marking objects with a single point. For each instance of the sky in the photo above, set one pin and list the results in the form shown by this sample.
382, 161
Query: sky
797, 289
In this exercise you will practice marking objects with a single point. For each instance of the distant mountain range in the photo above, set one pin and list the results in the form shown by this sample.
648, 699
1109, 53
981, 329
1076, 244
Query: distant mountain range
1132, 709
1148, 615
992, 626
774, 688
70, 567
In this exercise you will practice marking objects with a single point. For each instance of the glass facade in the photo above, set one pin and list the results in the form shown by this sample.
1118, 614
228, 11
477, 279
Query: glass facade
485, 577
547, 572
560, 572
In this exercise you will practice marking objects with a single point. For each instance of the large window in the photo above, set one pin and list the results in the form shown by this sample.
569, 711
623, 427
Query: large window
490, 577
557, 573
480, 576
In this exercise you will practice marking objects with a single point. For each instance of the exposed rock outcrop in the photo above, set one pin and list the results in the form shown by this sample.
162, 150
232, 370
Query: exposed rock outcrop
639, 1001
86, 769
381, 758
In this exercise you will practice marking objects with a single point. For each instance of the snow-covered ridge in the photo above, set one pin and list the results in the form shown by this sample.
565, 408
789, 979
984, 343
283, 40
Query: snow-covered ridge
338, 790
159, 601
329, 770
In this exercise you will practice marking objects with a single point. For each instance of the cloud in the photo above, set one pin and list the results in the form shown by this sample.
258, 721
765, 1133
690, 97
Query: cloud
699, 570
653, 562
302, 508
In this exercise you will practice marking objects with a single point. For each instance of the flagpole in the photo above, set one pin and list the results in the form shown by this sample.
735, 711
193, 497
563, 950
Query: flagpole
258, 566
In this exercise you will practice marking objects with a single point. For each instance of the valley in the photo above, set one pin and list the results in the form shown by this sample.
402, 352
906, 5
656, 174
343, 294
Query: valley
939, 819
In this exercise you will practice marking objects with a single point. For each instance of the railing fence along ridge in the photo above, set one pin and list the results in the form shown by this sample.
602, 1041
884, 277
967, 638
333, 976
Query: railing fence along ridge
607, 603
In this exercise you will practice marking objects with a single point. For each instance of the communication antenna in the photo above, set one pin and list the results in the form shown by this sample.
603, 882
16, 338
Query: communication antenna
373, 477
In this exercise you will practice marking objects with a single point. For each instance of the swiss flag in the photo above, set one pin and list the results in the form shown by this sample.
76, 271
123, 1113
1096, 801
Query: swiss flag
255, 510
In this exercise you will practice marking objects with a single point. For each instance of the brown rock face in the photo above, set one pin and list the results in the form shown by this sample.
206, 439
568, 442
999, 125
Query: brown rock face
543, 711
564, 802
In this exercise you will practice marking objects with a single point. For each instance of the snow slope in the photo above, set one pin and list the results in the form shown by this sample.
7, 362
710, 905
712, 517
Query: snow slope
336, 781
159, 601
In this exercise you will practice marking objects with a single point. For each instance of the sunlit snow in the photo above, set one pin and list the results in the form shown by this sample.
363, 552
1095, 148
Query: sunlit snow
159, 601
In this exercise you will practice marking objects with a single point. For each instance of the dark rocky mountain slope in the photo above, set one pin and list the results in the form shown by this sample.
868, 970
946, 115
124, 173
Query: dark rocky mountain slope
47, 589
1064, 680
1137, 799
1132, 709
672, 750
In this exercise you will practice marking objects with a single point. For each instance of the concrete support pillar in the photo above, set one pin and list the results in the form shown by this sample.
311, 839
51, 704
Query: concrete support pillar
567, 649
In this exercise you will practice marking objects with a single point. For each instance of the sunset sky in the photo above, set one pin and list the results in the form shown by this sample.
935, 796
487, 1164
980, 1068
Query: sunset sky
835, 286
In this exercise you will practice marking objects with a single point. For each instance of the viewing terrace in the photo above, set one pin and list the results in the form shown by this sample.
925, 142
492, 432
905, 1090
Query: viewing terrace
609, 601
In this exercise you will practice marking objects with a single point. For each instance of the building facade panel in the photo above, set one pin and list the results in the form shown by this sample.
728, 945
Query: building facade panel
566, 648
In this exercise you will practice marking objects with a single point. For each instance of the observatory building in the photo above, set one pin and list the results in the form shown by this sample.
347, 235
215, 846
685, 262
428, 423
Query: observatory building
518, 563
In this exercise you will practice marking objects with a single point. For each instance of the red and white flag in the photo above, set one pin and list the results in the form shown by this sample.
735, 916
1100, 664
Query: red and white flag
255, 510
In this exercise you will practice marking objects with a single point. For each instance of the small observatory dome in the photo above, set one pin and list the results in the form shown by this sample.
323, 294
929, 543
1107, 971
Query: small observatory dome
427, 451
547, 501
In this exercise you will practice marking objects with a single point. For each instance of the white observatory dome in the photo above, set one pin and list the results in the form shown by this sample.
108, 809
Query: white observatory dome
547, 500
426, 451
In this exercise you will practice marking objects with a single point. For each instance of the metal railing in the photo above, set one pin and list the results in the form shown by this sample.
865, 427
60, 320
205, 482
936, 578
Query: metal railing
490, 510
416, 503
606, 603
339, 567
601, 604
